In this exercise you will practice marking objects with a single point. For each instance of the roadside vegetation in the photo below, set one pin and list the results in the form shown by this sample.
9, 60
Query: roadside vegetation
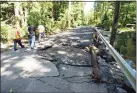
58, 16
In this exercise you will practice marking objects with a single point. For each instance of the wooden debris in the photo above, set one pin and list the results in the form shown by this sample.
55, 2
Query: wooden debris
95, 72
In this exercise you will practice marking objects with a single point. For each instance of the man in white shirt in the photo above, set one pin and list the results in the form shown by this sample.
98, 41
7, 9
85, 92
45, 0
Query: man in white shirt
41, 30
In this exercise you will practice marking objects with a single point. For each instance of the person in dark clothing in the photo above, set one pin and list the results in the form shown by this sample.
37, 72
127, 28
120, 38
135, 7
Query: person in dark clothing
15, 44
31, 31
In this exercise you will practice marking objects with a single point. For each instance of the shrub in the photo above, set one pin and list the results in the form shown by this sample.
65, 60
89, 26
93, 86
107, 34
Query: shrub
4, 34
24, 31
131, 49
123, 50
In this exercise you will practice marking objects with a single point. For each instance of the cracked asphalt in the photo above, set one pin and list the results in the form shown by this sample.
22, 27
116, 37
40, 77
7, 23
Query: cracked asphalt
63, 67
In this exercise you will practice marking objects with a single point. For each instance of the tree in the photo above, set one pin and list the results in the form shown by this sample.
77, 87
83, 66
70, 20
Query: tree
127, 13
103, 12
69, 11
115, 23
7, 12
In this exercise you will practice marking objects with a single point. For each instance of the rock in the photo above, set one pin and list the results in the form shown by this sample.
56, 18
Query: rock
65, 44
115, 88
110, 58
45, 47
106, 55
120, 90
70, 55
111, 88
105, 73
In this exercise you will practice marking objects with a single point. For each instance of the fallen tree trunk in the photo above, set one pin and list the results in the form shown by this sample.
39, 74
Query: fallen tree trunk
95, 72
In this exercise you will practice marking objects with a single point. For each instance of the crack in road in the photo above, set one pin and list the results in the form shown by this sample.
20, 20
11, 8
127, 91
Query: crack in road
58, 60
72, 64
48, 84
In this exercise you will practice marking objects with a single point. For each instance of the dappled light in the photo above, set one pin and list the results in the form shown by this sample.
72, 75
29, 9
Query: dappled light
61, 52
7, 73
3, 68
68, 47
14, 58
30, 64
79, 54
63, 68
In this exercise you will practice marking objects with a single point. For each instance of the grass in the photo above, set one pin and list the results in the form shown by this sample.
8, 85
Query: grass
126, 30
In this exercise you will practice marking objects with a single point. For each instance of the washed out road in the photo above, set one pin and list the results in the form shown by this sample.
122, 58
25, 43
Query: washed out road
63, 67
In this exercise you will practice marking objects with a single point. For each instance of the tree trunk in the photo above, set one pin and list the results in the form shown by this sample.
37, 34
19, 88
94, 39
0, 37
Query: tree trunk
102, 12
52, 14
115, 22
22, 16
69, 11
95, 12
16, 12
126, 18
26, 16
19, 17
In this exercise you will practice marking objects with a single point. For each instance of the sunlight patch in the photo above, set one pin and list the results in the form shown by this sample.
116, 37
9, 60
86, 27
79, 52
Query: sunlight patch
4, 68
29, 64
14, 57
7, 73
63, 68
79, 54
61, 52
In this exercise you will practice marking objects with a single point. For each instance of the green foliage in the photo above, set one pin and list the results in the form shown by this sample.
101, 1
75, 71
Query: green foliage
7, 12
127, 13
53, 15
105, 22
125, 29
77, 13
24, 31
118, 45
104, 11
131, 49
59, 9
123, 50
126, 43
34, 18
4, 34
133, 36
103, 14
50, 14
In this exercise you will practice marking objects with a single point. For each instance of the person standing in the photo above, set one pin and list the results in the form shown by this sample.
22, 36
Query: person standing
17, 37
95, 38
31, 31
41, 30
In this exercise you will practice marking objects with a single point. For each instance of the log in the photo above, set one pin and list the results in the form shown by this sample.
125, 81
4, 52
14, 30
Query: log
95, 72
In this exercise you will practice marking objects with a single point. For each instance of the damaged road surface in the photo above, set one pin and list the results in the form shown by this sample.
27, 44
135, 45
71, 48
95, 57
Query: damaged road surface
59, 64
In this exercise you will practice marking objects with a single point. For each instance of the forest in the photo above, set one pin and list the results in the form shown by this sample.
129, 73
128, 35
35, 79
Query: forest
61, 15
